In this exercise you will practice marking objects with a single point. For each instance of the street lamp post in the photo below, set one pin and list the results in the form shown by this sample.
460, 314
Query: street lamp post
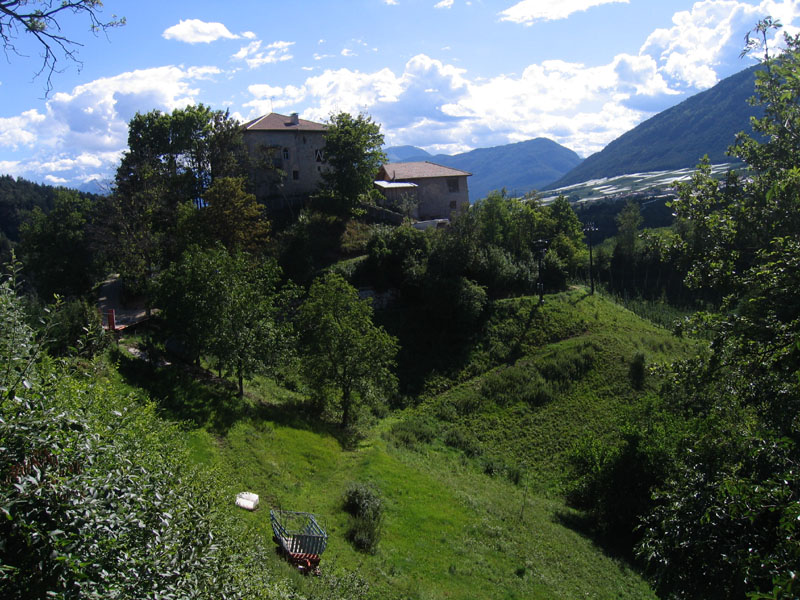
589, 230
541, 249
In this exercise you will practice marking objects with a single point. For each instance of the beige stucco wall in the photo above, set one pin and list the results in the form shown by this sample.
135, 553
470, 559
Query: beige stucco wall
436, 201
303, 147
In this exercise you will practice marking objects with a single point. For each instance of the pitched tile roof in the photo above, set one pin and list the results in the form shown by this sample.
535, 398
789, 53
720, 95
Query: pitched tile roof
418, 170
276, 122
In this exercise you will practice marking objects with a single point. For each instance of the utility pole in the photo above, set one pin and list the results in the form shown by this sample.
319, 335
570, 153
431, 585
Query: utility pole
541, 248
589, 230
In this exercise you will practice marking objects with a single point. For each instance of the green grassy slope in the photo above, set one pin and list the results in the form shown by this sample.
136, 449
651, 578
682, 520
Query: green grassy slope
457, 525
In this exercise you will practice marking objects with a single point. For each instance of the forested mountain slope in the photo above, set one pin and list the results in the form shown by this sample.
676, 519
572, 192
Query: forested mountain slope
678, 137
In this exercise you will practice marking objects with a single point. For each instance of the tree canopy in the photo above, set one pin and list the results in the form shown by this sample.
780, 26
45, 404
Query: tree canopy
225, 306
347, 360
353, 155
172, 159
710, 473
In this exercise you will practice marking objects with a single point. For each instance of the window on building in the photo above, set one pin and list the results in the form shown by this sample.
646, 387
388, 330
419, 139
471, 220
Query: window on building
285, 154
453, 204
452, 184
295, 175
318, 156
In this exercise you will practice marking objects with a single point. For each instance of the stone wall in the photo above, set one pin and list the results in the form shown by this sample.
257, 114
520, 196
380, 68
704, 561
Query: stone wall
297, 153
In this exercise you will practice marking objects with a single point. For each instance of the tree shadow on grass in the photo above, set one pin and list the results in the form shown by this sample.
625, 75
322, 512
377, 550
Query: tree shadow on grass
189, 394
185, 393
617, 547
430, 350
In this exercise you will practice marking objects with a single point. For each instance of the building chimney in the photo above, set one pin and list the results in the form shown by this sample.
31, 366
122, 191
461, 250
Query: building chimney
294, 119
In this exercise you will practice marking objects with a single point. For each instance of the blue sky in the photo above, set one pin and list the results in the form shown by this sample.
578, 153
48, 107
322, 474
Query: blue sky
445, 75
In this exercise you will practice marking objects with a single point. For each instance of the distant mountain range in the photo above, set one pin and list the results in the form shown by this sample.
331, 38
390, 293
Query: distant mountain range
95, 186
519, 167
677, 138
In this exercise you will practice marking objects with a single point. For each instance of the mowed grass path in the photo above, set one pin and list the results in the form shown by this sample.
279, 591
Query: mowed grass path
450, 531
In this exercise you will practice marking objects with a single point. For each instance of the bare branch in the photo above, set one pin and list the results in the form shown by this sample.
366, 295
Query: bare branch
41, 19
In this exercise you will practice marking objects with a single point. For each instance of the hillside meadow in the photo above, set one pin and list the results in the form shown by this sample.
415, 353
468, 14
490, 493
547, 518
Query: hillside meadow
473, 479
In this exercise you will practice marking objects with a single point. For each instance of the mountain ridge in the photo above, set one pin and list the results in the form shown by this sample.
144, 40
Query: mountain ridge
678, 137
518, 167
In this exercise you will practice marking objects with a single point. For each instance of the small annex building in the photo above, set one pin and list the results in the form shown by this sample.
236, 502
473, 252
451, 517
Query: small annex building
434, 191
287, 156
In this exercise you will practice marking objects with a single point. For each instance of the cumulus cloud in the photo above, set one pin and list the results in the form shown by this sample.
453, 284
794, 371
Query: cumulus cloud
21, 130
703, 43
438, 106
255, 57
83, 132
442, 108
195, 31
444, 4
528, 12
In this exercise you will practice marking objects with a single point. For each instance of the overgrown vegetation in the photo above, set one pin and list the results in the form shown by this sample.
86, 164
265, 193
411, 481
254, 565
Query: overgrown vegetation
453, 428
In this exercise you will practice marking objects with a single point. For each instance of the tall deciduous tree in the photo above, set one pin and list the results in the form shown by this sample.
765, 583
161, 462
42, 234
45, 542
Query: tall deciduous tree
232, 216
347, 359
225, 306
55, 247
726, 522
172, 159
353, 155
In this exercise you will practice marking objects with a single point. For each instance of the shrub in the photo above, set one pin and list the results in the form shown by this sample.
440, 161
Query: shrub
467, 400
464, 441
492, 466
517, 384
568, 366
76, 328
414, 429
637, 371
514, 474
364, 504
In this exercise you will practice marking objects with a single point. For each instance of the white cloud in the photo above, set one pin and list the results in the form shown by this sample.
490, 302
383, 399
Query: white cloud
528, 12
390, 2
249, 35
83, 132
440, 107
195, 31
269, 98
444, 4
255, 57
704, 42
21, 130
348, 52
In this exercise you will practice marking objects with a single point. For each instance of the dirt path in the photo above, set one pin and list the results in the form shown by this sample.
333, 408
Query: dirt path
109, 297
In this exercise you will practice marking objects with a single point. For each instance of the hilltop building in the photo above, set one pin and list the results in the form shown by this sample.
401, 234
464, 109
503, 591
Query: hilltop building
288, 162
287, 155
434, 191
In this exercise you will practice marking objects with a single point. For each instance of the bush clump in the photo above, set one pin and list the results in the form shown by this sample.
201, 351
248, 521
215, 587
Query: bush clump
637, 370
413, 430
363, 502
567, 367
517, 384
463, 440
